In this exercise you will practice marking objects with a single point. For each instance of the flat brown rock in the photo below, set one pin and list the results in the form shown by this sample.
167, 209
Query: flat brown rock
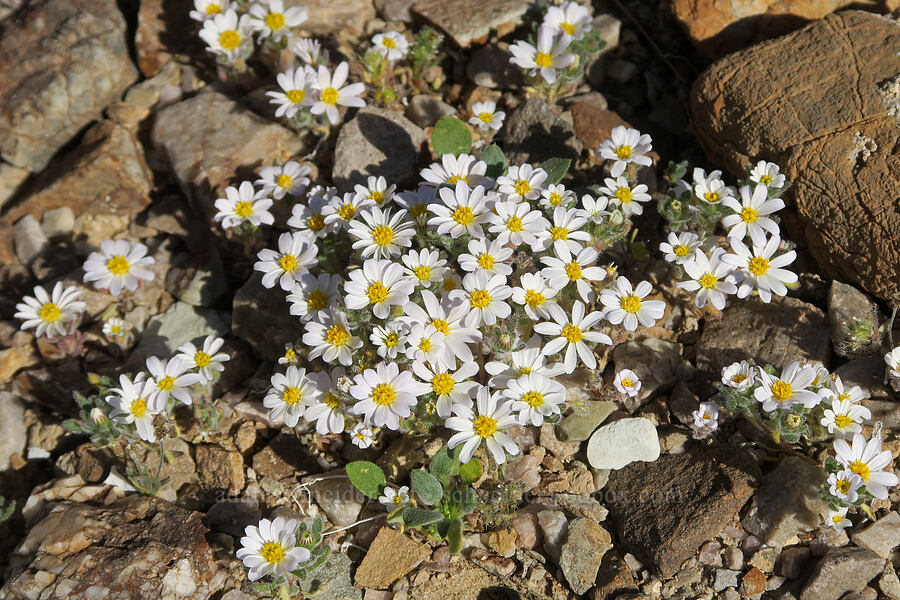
467, 22
391, 556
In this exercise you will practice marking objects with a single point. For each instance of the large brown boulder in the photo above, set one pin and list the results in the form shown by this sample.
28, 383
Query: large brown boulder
824, 103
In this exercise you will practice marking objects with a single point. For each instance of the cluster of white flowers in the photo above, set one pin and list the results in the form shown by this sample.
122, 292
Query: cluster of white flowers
551, 52
137, 401
228, 27
316, 89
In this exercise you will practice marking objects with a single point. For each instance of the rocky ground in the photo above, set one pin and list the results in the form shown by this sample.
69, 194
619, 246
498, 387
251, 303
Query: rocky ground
114, 124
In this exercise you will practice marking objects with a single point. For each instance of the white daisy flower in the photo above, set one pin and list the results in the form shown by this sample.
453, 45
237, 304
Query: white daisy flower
362, 436
394, 499
51, 314
709, 277
309, 218
170, 378
453, 169
118, 265
379, 234
450, 386
627, 306
425, 344
424, 267
271, 548
620, 191
296, 253
710, 188
739, 376
838, 519
447, 317
416, 203
626, 146
892, 359
486, 116
461, 211
522, 183
545, 58
271, 19
516, 223
131, 403
228, 35
845, 418
290, 394
486, 257
207, 359
823, 377
679, 248
313, 296
243, 205
844, 485
530, 359
867, 460
627, 383
327, 410
484, 294
749, 216
290, 356
488, 425
572, 333
789, 389
555, 195
339, 213
706, 418
380, 283
768, 174
376, 189
570, 18
391, 44
564, 268
535, 295
535, 397
296, 92
565, 230
290, 178
331, 339
761, 269
116, 329
207, 9
333, 92
310, 52
836, 390
390, 338
594, 209
385, 395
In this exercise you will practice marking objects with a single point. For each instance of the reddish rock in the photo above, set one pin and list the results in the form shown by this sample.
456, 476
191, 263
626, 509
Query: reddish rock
391, 556
162, 28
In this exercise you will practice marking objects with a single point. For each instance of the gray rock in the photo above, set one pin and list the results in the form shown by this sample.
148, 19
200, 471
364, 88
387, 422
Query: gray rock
775, 333
335, 495
197, 279
622, 71
377, 142
581, 506
425, 110
29, 239
179, 324
610, 27
733, 558
262, 318
622, 442
12, 428
579, 425
868, 374
725, 578
842, 571
535, 133
63, 61
394, 10
332, 580
490, 67
237, 595
787, 503
553, 524
232, 515
58, 222
329, 16
793, 561
657, 364
10, 179
582, 553
466, 22
889, 583
880, 537
845, 304
683, 402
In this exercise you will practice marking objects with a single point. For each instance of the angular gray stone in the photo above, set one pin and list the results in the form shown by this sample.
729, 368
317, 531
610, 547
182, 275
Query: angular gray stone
868, 374
554, 525
332, 580
535, 133
335, 495
329, 16
622, 442
466, 22
179, 324
262, 318
425, 110
58, 222
880, 537
579, 425
582, 553
197, 279
394, 10
842, 571
12, 428
657, 364
29, 239
725, 578
63, 62
490, 67
377, 142
845, 304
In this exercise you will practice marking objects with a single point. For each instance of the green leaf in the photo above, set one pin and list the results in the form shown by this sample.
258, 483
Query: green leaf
367, 477
496, 161
427, 487
445, 464
469, 501
454, 536
556, 168
419, 517
471, 471
451, 136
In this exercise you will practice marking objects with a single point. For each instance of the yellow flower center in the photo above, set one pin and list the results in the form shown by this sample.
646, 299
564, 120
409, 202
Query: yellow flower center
288, 263
296, 97
382, 235
389, 43
377, 197
229, 40
782, 390
391, 340
202, 359
332, 401
336, 335
842, 485
573, 270
748, 215
567, 27
422, 272
623, 151
291, 395
533, 399
844, 396
681, 250
289, 355
711, 197
484, 426
398, 499
514, 224
524, 371
739, 378
758, 265
425, 345
115, 330
555, 198
50, 313
316, 300
843, 421
243, 209
542, 59
138, 408
454, 179
463, 215
273, 553
485, 261
347, 211
441, 325
213, 9
480, 298
559, 233
486, 117
522, 187
572, 334
166, 383
630, 304
316, 222
861, 469
118, 265
329, 95
442, 383
383, 394
624, 195
708, 281
765, 180
377, 292
836, 519
627, 382
534, 298
417, 210
275, 21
